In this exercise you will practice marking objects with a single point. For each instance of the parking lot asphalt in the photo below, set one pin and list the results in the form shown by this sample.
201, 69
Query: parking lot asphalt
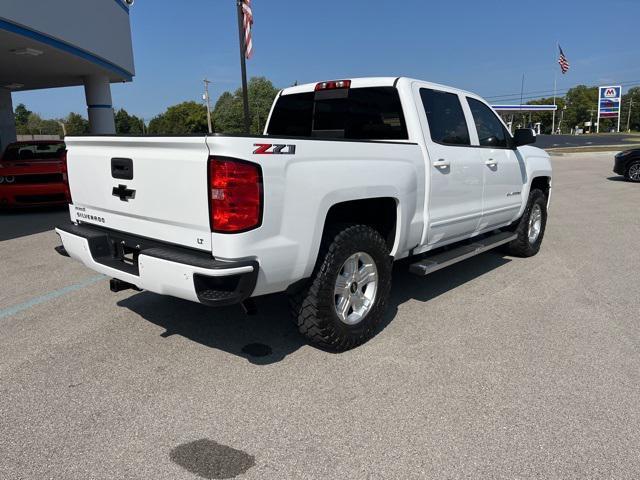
569, 141
496, 367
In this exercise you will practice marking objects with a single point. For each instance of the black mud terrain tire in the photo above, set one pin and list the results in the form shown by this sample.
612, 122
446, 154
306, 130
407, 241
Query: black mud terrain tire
314, 308
523, 246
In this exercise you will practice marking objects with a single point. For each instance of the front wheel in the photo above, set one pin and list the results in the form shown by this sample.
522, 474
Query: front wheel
531, 227
348, 292
633, 171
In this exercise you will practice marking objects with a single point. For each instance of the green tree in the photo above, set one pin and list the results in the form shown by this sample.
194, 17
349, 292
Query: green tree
21, 118
184, 118
76, 124
634, 121
36, 125
261, 93
582, 106
127, 124
228, 114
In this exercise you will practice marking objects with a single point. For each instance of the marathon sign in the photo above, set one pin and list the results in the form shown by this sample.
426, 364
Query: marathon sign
609, 100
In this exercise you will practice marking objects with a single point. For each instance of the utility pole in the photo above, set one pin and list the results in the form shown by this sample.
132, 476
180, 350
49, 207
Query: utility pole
243, 67
591, 120
629, 115
524, 115
257, 113
64, 128
208, 100
553, 121
561, 118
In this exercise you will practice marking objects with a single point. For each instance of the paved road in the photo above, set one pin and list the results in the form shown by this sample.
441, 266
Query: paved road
494, 368
565, 141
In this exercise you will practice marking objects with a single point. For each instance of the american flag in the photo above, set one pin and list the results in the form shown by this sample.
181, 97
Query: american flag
247, 22
564, 63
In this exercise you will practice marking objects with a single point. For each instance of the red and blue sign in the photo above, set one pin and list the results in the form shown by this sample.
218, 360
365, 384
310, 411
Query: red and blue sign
609, 101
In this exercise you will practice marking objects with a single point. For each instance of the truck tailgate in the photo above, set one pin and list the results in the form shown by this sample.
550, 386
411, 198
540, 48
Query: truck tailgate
164, 197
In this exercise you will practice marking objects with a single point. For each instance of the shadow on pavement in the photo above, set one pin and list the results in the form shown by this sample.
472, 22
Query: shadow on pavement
269, 336
20, 223
264, 338
407, 286
211, 460
617, 179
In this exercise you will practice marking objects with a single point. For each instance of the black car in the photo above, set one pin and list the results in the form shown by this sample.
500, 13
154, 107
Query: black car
628, 164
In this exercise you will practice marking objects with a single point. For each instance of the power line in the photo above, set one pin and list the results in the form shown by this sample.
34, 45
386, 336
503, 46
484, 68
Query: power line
534, 97
626, 83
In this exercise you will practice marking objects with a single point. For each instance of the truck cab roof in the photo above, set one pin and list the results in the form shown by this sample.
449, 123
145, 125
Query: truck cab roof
372, 82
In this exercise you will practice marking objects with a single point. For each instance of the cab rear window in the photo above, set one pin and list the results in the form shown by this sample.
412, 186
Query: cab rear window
372, 113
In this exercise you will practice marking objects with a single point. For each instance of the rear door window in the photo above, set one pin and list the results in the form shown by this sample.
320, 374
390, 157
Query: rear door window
372, 113
447, 122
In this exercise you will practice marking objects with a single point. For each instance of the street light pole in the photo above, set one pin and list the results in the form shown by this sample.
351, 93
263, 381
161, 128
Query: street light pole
629, 115
208, 100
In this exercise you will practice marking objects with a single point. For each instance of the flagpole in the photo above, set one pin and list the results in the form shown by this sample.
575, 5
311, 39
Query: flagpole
555, 85
243, 67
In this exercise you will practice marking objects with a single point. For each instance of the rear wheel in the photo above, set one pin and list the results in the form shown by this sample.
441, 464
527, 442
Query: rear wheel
349, 290
531, 226
633, 171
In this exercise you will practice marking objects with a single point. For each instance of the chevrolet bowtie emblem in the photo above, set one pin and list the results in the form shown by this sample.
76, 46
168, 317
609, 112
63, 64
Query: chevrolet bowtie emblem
125, 194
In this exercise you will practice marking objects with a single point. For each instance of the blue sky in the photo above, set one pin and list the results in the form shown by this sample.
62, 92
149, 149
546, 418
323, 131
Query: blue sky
483, 46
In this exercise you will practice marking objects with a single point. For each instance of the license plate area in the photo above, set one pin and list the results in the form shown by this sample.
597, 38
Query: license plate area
116, 251
126, 254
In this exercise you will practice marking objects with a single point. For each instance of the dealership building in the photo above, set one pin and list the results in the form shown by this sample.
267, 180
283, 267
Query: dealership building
63, 43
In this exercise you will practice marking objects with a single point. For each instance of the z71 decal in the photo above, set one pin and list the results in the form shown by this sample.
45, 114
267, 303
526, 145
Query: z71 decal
274, 149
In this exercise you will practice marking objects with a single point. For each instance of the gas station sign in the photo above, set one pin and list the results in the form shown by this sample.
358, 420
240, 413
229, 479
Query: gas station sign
609, 101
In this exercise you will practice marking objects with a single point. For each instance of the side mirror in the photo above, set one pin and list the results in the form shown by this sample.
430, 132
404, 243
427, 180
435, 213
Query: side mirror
524, 136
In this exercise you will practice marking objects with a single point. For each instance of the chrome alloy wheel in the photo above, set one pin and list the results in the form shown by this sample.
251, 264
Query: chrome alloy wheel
535, 223
355, 288
634, 172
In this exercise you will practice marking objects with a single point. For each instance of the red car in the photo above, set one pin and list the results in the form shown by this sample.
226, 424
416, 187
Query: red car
34, 173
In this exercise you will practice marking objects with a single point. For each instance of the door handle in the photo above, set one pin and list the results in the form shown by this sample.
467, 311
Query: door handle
491, 162
442, 163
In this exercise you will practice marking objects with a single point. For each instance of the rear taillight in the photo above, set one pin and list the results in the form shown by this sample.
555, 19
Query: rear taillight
235, 195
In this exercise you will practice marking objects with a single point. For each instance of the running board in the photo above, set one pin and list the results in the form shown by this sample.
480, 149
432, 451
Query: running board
455, 255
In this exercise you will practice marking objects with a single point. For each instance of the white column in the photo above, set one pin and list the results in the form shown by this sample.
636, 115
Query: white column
7, 121
97, 90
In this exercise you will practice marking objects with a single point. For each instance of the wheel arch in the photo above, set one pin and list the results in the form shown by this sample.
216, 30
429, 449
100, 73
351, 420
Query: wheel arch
380, 213
541, 182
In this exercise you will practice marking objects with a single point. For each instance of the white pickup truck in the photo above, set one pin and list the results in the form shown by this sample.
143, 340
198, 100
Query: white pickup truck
349, 176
